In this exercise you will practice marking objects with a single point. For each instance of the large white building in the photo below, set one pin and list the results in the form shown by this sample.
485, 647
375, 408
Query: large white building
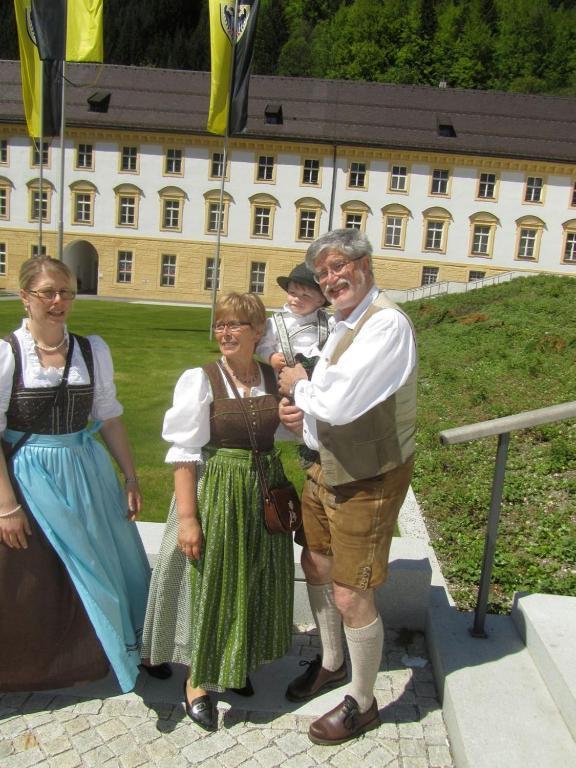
447, 184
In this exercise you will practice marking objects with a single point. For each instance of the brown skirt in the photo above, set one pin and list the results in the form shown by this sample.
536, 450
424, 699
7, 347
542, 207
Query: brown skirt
46, 637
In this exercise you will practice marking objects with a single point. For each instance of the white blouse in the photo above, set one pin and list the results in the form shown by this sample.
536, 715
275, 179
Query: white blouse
105, 405
187, 422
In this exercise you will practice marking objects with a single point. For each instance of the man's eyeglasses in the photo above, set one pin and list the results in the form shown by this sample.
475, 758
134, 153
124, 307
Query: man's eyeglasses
233, 326
335, 269
48, 294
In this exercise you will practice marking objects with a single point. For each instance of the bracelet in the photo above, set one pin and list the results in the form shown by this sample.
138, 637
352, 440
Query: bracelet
12, 511
128, 480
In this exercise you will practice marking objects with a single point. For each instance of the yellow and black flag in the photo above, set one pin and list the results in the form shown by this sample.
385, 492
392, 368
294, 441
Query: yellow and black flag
232, 33
38, 77
69, 30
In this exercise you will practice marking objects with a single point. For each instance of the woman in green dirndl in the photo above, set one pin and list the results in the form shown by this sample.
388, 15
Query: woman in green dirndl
222, 590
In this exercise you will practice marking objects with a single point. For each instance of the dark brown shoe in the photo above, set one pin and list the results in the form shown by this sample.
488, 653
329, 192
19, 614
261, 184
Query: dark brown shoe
344, 722
315, 680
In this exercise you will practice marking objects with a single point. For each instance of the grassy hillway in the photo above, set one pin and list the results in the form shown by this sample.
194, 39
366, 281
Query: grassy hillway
488, 353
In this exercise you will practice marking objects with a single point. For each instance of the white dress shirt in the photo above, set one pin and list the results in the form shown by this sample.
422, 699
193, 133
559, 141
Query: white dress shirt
374, 366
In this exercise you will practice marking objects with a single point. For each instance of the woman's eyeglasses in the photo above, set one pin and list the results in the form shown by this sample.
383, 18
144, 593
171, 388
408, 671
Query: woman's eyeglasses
48, 294
233, 326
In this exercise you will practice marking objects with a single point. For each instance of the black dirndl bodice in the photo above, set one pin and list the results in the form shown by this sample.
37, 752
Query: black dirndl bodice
38, 410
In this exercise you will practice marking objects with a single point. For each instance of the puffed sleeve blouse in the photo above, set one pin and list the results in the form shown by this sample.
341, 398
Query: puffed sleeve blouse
187, 422
105, 405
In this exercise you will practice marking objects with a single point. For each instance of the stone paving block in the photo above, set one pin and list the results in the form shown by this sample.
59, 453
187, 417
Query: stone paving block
161, 749
86, 741
200, 751
410, 731
78, 725
50, 730
37, 719
238, 755
412, 748
13, 727
299, 761
134, 758
430, 713
292, 743
435, 735
15, 699
120, 744
95, 757
111, 729
183, 735
68, 759
6, 748
270, 757
26, 759
425, 688
24, 741
53, 747
439, 757
146, 732
89, 707
254, 740
414, 762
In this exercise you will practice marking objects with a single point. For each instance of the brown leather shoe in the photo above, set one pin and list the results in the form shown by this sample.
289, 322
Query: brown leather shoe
315, 680
344, 722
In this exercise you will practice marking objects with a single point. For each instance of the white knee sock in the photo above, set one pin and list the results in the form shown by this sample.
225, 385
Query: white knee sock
329, 623
365, 646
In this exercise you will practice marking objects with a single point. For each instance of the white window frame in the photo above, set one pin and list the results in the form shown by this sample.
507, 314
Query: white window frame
129, 159
357, 172
429, 272
173, 161
3, 259
168, 262
84, 157
309, 170
265, 169
209, 274
534, 190
398, 179
124, 267
440, 186
257, 277
487, 179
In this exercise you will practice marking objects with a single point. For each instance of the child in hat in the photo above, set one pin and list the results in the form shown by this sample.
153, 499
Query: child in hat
300, 330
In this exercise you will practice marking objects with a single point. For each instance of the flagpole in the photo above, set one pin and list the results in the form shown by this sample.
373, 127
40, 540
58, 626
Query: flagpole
41, 177
225, 160
61, 200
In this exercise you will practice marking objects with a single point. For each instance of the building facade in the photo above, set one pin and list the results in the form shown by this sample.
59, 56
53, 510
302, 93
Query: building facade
488, 187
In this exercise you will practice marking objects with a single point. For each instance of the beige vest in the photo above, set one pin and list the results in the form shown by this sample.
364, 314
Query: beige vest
381, 439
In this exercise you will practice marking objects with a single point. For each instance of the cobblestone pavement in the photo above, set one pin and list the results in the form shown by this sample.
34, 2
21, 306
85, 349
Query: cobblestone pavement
97, 726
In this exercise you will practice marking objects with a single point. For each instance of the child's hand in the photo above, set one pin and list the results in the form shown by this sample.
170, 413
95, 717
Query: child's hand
277, 361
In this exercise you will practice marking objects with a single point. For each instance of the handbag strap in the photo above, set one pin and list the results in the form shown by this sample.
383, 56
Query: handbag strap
50, 404
251, 435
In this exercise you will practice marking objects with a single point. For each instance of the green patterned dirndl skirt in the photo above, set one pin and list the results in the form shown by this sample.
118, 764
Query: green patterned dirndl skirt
231, 611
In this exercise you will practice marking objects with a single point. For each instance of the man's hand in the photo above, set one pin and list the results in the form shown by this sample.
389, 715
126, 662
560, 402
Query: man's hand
291, 416
288, 378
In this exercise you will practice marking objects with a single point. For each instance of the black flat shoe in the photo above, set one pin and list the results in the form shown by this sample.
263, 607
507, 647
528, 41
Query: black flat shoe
201, 710
159, 671
248, 689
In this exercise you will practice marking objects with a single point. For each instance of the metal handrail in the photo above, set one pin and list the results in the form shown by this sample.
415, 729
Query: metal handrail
501, 427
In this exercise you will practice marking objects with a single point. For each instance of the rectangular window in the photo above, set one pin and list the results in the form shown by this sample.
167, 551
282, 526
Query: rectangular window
2, 258
307, 226
534, 187
173, 163
36, 205
353, 221
570, 247
215, 218
168, 271
481, 240
3, 151
127, 211
265, 168
217, 165
171, 215
439, 184
124, 271
36, 154
82, 208
399, 178
527, 243
393, 232
429, 275
84, 156
209, 278
487, 186
434, 232
257, 276
129, 161
38, 251
573, 203
3, 203
311, 171
262, 219
357, 175
475, 274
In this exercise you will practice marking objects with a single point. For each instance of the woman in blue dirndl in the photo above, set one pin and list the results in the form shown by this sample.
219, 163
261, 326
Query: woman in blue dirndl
74, 576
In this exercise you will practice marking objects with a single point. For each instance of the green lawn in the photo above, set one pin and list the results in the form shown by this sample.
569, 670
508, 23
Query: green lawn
151, 346
488, 353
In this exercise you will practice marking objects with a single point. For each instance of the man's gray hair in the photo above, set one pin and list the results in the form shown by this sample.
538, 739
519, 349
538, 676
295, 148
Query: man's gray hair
349, 242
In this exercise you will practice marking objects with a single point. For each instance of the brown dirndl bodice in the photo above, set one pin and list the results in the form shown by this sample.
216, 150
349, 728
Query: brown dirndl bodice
227, 423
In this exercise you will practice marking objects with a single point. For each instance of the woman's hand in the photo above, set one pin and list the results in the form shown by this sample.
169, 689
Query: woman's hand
190, 538
15, 529
133, 498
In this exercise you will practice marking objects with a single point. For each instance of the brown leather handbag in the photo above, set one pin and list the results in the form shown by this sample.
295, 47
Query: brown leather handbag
282, 510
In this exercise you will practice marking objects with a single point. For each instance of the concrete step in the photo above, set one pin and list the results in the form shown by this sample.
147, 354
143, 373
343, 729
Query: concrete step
403, 600
498, 711
547, 626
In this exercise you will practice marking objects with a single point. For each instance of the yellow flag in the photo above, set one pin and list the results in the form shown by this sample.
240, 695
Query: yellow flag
31, 68
84, 38
221, 66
